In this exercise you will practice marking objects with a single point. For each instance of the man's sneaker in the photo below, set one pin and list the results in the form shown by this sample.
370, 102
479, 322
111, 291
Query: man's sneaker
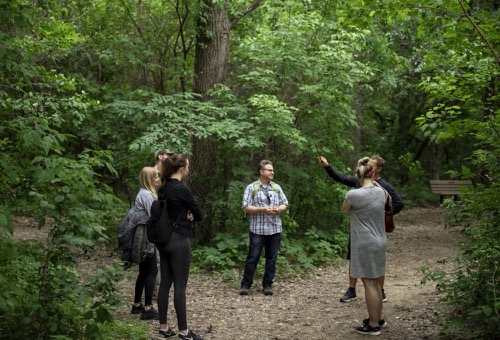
243, 290
190, 336
368, 330
384, 298
381, 322
150, 314
268, 290
350, 295
167, 333
137, 310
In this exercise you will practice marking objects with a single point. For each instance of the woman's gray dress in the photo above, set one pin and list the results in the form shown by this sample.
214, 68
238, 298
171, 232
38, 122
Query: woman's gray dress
368, 238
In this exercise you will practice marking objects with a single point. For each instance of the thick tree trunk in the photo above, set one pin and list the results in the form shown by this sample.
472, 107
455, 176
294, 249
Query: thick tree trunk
212, 52
212, 49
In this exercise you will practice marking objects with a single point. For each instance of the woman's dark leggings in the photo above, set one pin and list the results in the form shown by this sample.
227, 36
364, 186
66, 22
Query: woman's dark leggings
175, 260
146, 280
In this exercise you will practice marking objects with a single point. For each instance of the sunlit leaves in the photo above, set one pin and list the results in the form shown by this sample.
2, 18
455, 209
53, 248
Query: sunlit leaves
275, 118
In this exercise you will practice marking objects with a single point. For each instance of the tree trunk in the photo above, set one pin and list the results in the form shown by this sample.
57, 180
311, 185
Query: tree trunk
212, 48
212, 52
437, 155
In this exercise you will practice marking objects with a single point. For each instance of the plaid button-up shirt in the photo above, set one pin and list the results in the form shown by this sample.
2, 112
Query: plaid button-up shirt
261, 223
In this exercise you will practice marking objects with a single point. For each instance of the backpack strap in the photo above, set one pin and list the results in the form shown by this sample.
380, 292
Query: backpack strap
256, 188
275, 188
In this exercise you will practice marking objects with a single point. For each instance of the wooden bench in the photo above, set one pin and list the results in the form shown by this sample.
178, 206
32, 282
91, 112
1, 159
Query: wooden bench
444, 187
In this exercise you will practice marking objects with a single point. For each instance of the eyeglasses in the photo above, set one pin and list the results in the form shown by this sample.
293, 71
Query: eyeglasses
270, 170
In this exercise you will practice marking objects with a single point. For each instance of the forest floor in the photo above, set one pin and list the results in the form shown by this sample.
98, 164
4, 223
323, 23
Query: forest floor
309, 307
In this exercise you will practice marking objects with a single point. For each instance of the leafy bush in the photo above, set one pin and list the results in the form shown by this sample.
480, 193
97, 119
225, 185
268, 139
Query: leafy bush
470, 292
296, 254
46, 298
62, 191
416, 191
133, 329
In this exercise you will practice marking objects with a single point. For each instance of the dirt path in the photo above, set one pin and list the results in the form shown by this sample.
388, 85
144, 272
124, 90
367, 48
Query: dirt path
309, 308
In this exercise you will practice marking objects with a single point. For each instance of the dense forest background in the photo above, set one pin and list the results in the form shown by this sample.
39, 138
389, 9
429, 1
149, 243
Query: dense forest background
91, 90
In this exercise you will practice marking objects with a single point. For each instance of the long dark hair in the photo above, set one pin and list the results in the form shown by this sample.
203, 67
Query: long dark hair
171, 165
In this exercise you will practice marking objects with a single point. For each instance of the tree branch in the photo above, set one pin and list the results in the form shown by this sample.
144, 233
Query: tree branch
480, 31
250, 8
131, 16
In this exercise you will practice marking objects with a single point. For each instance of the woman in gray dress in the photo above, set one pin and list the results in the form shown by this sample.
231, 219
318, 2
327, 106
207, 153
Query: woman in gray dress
368, 242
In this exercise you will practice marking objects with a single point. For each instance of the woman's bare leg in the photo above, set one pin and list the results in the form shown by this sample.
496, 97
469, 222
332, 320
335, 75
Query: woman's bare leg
373, 297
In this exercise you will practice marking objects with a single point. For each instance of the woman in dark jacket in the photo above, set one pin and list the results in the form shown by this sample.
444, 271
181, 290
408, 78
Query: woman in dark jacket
175, 256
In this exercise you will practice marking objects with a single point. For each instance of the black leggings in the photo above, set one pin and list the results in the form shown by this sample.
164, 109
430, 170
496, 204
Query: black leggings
146, 280
175, 260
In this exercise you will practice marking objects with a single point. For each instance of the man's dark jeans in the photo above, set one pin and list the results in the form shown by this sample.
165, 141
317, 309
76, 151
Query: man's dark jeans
271, 243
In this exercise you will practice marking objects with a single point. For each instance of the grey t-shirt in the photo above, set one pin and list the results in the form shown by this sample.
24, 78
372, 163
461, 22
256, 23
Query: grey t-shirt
368, 238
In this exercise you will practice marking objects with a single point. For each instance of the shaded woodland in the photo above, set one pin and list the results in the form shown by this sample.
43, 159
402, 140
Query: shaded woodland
91, 90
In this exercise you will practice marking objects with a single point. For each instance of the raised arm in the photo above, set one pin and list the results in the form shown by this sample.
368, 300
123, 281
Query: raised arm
350, 181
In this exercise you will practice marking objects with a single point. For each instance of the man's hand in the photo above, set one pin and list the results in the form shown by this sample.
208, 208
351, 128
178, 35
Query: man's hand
268, 211
322, 161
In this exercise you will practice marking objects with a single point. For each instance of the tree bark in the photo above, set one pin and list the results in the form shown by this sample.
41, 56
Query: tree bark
212, 48
211, 58
212, 53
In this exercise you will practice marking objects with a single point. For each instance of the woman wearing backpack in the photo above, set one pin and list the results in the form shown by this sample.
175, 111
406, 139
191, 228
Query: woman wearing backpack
175, 255
149, 180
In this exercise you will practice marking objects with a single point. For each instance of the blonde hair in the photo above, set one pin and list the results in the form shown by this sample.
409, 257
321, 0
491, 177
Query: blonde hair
147, 180
364, 169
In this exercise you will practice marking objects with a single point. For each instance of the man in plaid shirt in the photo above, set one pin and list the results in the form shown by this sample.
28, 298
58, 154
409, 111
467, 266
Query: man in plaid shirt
263, 202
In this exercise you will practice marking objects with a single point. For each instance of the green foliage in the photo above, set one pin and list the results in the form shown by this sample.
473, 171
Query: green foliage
133, 329
417, 191
314, 248
90, 90
463, 104
44, 177
225, 255
46, 298
470, 291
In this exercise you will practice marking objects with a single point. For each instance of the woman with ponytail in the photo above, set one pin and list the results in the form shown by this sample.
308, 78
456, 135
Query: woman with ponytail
175, 256
365, 206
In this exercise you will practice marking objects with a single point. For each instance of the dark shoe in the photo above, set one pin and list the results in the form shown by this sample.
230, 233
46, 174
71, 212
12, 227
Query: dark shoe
381, 322
137, 310
368, 330
384, 298
268, 290
168, 333
350, 295
150, 314
243, 290
190, 336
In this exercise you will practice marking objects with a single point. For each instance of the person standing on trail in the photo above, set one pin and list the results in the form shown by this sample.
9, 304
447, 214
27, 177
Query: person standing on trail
150, 181
378, 164
263, 202
366, 208
175, 256
160, 157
